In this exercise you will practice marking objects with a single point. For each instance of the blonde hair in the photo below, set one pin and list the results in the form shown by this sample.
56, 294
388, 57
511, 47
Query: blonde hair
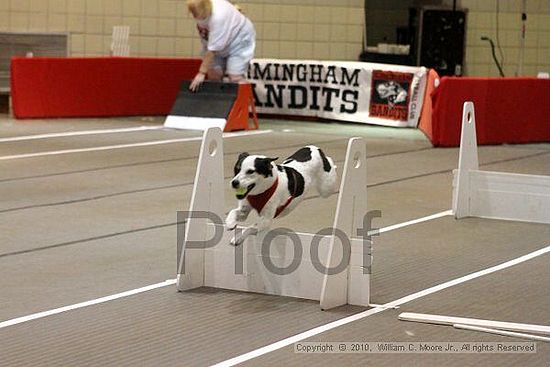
200, 9
237, 6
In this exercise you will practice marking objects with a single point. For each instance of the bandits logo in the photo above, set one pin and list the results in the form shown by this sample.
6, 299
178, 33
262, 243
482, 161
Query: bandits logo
390, 95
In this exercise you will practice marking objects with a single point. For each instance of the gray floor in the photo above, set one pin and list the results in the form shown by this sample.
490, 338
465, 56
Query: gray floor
80, 226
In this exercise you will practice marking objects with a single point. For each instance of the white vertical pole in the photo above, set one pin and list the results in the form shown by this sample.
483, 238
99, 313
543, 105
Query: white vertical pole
208, 196
467, 161
350, 210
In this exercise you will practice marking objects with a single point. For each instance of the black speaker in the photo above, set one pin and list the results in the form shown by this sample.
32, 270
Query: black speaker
441, 39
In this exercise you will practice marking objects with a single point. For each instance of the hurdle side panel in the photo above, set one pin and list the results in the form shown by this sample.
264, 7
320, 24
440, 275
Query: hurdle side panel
510, 196
207, 197
467, 161
350, 211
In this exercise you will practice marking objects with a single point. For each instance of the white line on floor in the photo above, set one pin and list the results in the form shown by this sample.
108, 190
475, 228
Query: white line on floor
133, 145
321, 329
56, 311
79, 133
411, 222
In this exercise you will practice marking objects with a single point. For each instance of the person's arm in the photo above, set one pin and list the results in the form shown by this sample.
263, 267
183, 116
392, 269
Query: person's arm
203, 70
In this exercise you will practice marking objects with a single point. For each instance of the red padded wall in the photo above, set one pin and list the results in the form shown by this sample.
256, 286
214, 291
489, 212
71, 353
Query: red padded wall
96, 86
508, 110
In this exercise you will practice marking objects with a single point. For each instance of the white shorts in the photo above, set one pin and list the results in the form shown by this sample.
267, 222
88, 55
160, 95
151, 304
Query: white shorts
235, 59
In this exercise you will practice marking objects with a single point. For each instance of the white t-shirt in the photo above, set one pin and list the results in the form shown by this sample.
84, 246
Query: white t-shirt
218, 31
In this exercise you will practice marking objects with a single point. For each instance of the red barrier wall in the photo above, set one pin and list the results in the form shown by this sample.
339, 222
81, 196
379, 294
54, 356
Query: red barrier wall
96, 86
508, 110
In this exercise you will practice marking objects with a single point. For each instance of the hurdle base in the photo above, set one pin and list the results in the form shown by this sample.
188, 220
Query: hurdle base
250, 267
193, 123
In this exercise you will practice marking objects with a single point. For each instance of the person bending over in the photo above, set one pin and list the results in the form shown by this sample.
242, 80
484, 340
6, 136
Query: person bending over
228, 39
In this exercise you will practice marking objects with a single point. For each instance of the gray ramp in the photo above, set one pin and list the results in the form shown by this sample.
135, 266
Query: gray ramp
212, 100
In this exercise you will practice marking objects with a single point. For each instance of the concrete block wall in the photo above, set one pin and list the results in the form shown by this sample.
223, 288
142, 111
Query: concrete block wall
310, 29
302, 29
483, 20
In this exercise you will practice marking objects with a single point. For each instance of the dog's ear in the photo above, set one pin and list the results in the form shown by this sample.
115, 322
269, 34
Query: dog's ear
239, 163
273, 159
263, 166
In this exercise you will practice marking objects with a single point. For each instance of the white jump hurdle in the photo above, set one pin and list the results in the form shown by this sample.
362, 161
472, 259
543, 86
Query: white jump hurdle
216, 266
496, 195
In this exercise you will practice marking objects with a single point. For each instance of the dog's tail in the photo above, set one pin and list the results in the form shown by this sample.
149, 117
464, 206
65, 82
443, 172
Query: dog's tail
327, 180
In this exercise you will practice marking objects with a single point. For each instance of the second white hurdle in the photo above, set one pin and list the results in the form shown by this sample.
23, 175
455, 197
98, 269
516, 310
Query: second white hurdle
497, 195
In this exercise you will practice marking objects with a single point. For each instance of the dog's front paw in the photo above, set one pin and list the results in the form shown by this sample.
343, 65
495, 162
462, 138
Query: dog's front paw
230, 226
230, 222
236, 240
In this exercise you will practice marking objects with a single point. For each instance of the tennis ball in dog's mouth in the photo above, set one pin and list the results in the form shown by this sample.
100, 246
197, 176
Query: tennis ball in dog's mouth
241, 191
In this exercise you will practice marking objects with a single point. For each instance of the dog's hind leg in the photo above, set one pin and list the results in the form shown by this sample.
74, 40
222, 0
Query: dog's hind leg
327, 180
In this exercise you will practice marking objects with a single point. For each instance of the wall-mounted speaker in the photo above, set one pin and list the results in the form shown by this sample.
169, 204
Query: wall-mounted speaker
440, 39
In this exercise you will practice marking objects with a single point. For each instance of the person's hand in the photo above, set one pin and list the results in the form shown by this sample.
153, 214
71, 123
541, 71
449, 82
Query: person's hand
197, 81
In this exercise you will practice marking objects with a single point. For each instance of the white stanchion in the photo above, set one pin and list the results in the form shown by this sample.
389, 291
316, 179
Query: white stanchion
452, 320
496, 195
258, 265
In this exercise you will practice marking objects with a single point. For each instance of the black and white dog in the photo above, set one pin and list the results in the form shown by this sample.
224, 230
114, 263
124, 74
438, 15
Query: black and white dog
275, 190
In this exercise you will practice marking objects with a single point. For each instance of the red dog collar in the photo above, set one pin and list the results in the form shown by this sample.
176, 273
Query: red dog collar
258, 201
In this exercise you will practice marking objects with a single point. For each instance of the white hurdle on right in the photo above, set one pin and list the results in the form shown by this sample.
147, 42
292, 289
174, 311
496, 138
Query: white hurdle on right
497, 195
243, 268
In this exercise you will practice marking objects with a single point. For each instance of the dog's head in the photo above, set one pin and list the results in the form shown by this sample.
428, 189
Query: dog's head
251, 171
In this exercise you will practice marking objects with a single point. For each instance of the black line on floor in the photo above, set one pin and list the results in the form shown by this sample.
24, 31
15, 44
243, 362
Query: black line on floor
93, 169
397, 153
98, 197
515, 159
76, 242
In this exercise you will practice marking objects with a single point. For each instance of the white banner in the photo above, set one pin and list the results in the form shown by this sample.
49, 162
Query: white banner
381, 94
